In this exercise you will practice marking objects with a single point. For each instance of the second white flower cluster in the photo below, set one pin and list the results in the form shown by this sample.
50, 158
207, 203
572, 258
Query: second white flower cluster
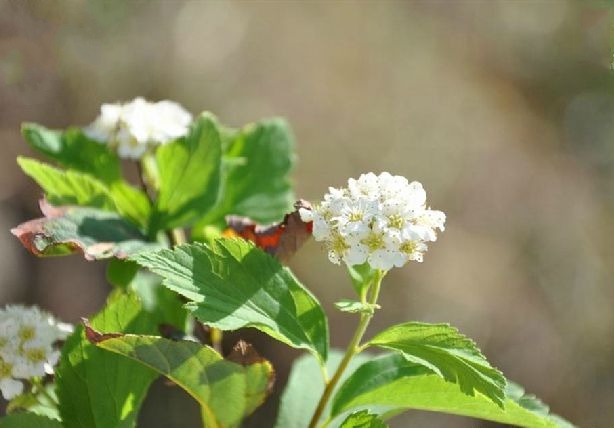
27, 346
135, 127
379, 219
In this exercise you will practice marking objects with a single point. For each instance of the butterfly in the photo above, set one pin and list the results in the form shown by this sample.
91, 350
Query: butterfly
281, 240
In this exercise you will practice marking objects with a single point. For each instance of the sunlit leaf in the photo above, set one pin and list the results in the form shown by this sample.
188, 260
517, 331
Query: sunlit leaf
395, 383
131, 203
305, 386
255, 178
363, 419
189, 173
77, 188
92, 232
442, 349
225, 390
74, 150
232, 284
67, 187
97, 388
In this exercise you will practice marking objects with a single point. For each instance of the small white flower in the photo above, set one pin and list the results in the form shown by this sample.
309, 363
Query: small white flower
379, 219
366, 185
136, 127
355, 215
27, 346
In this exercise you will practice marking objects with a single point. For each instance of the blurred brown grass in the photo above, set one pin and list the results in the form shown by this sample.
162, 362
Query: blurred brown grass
504, 110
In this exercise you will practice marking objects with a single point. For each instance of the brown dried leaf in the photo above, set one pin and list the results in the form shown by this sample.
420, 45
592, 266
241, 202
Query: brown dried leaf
95, 233
281, 240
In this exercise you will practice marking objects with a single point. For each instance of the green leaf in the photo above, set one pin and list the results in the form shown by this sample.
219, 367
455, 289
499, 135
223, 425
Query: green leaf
159, 300
354, 307
306, 385
219, 386
156, 299
131, 203
97, 388
259, 378
393, 382
90, 164
67, 187
363, 419
362, 277
73, 149
95, 233
449, 354
189, 171
28, 420
120, 273
232, 284
255, 182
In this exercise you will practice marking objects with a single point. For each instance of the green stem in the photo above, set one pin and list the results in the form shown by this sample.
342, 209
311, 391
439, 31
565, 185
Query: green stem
352, 349
143, 181
177, 236
216, 335
146, 175
142, 168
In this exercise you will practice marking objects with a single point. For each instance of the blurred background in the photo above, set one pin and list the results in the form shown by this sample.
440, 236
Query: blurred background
504, 110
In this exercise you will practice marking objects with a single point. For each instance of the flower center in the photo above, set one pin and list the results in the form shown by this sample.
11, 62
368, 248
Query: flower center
26, 333
396, 221
6, 369
374, 241
408, 247
35, 355
338, 244
355, 216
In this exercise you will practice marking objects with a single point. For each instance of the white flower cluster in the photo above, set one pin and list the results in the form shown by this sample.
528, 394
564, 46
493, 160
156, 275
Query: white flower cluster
27, 338
379, 219
133, 128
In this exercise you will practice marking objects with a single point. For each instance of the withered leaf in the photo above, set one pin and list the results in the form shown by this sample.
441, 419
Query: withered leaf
95, 233
282, 240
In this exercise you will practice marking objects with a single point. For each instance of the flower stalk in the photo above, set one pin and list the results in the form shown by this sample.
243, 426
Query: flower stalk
354, 347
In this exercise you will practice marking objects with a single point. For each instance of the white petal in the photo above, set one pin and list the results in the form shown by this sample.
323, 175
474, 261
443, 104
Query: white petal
10, 388
321, 230
334, 257
416, 194
356, 255
380, 259
305, 214
433, 218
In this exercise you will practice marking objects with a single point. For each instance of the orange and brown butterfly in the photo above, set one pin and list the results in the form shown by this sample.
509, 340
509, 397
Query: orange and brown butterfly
281, 240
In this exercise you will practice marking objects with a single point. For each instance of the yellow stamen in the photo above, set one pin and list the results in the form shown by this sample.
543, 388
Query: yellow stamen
26, 333
408, 247
374, 241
